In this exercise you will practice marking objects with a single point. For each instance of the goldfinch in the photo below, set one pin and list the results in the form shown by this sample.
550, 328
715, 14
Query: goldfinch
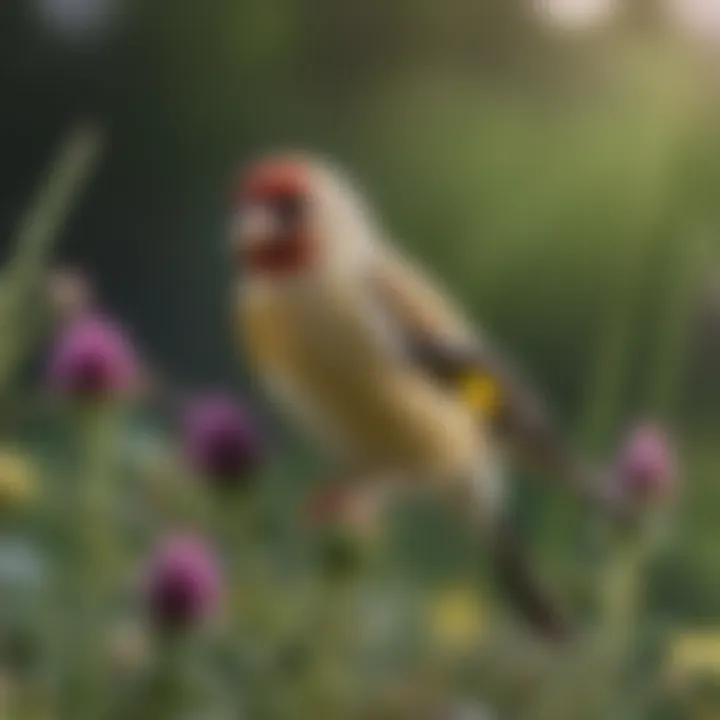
370, 356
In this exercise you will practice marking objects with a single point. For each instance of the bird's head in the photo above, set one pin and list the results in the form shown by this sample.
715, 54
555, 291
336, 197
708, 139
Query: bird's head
293, 215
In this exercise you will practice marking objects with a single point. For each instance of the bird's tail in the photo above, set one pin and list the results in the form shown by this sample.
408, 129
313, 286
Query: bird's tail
516, 578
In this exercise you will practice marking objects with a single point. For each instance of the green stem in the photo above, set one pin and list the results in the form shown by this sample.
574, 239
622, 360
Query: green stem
170, 689
584, 680
334, 638
620, 591
620, 601
97, 552
237, 520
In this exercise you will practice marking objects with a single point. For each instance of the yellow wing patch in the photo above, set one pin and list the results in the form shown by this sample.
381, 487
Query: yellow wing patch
482, 393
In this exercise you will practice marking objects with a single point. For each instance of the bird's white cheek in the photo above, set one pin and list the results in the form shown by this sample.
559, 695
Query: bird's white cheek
253, 225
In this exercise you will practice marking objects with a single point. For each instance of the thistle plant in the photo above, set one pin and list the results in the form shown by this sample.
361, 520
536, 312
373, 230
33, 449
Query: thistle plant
93, 362
222, 444
93, 369
183, 585
227, 455
183, 590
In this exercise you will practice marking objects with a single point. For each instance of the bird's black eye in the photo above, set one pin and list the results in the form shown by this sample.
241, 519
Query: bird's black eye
289, 208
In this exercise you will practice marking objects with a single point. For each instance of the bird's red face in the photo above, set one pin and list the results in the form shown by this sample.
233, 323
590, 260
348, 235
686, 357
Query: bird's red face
271, 233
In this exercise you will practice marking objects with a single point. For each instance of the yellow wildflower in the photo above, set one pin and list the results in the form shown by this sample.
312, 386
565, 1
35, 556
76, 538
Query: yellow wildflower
482, 393
18, 480
695, 653
457, 619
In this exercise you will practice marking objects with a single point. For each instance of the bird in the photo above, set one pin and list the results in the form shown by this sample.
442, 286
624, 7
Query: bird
374, 361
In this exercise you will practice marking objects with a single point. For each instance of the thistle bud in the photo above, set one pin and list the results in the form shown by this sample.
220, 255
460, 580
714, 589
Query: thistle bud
184, 583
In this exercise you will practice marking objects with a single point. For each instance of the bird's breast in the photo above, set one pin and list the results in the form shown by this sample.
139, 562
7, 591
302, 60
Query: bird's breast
334, 367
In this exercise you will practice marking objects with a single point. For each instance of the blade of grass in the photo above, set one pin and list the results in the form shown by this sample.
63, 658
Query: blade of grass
613, 356
672, 344
36, 234
57, 197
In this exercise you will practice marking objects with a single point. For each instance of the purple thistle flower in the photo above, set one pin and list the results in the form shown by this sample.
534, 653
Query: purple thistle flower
647, 464
221, 441
93, 358
184, 583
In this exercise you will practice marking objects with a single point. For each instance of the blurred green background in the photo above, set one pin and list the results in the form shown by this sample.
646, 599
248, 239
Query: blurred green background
563, 182
519, 162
